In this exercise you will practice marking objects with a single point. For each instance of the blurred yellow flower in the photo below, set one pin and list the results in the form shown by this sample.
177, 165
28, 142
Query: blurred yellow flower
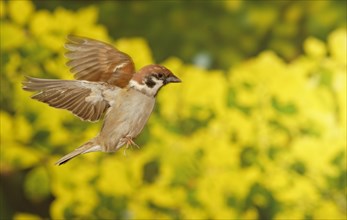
337, 43
132, 47
41, 23
26, 216
114, 183
11, 36
20, 11
314, 47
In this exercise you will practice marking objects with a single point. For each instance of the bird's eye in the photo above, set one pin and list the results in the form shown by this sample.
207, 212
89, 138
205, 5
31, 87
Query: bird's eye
160, 75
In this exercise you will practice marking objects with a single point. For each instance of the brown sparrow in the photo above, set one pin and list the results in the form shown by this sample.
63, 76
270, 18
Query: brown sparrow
105, 82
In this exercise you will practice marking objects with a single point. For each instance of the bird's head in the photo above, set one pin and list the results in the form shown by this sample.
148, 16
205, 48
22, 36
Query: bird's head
150, 79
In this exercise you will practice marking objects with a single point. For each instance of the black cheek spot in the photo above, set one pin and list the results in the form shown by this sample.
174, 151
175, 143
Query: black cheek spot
150, 83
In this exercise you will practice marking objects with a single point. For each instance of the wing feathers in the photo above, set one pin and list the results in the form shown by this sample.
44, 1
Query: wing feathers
94, 60
83, 98
74, 63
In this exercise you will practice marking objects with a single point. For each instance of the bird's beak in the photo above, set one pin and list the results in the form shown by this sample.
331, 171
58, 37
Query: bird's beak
172, 79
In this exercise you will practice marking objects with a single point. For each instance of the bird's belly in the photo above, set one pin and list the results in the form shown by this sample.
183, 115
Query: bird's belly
125, 119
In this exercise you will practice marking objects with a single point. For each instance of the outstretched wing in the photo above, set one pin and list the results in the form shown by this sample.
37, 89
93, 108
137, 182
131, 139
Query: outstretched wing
87, 100
94, 60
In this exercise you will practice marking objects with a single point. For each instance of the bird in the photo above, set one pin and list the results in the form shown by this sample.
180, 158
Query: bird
105, 86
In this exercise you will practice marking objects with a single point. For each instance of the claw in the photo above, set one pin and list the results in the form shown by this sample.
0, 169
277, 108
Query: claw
128, 143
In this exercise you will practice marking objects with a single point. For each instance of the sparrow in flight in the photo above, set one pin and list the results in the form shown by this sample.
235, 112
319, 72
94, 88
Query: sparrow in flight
106, 85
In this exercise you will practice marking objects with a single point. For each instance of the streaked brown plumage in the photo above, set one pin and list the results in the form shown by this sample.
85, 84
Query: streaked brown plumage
105, 83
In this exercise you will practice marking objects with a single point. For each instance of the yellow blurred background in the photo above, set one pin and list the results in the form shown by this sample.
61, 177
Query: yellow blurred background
257, 129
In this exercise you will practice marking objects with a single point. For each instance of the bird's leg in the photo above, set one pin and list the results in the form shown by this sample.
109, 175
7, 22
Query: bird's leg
128, 142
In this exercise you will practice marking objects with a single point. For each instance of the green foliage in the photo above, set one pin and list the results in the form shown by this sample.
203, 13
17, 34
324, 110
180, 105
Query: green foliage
217, 34
264, 140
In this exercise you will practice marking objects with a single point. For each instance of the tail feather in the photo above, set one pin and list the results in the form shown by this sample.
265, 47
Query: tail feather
85, 148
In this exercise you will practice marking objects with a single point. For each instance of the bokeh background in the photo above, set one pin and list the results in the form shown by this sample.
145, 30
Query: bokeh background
257, 129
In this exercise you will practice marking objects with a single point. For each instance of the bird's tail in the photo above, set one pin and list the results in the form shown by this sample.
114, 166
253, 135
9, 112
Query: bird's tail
90, 146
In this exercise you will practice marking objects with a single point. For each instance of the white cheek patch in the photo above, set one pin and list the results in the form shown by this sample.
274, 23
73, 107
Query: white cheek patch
158, 84
150, 91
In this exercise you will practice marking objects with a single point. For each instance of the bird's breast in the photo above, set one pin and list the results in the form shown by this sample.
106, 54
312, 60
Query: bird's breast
126, 117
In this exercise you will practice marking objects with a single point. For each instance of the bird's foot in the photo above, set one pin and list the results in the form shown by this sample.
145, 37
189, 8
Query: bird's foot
128, 143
